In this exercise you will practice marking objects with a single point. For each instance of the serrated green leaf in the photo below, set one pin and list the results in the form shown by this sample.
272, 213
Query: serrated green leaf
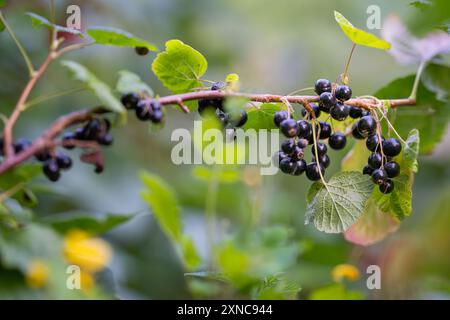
117, 37
179, 67
430, 115
161, 199
98, 87
411, 151
37, 21
359, 36
335, 208
261, 117
131, 82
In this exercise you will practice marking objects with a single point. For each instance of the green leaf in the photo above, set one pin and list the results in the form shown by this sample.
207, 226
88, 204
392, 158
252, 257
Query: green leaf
232, 77
98, 87
261, 117
335, 292
226, 174
117, 37
356, 158
179, 67
21, 176
37, 21
161, 199
335, 208
430, 115
359, 36
131, 82
2, 4
93, 225
436, 78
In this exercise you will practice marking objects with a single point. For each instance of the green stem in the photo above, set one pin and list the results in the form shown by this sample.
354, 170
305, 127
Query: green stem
41, 99
417, 80
19, 45
317, 153
347, 65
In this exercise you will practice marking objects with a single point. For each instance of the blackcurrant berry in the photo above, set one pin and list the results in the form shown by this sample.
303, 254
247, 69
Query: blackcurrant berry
155, 105
287, 166
223, 117
157, 116
387, 186
325, 130
326, 101
302, 143
297, 154
337, 141
368, 170
105, 140
219, 85
392, 147
322, 85
324, 160
142, 51
392, 169
142, 111
63, 161
365, 113
312, 171
130, 100
238, 119
288, 146
289, 127
21, 144
373, 142
366, 125
277, 157
316, 109
42, 155
375, 160
205, 104
343, 92
339, 111
300, 167
355, 132
51, 170
321, 149
79, 134
98, 168
355, 112
304, 129
92, 129
280, 116
379, 176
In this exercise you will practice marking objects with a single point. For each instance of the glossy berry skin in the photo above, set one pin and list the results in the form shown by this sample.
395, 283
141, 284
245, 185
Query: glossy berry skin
387, 186
142, 51
21, 144
223, 117
297, 154
302, 143
204, 105
324, 160
289, 128
105, 140
355, 112
343, 92
392, 147
243, 120
368, 170
142, 111
92, 129
375, 160
322, 85
312, 171
300, 167
304, 129
392, 169
379, 176
51, 170
63, 161
130, 100
326, 101
355, 132
157, 116
277, 157
337, 141
373, 142
316, 109
287, 166
366, 125
339, 112
321, 149
325, 130
288, 146
280, 116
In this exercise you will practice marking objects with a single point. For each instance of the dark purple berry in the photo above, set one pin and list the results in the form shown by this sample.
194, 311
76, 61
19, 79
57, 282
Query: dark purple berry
322, 85
130, 100
366, 125
64, 161
321, 149
379, 176
105, 140
42, 155
355, 132
375, 160
373, 142
392, 147
326, 101
300, 167
387, 186
280, 116
289, 128
392, 169
219, 85
343, 92
302, 143
368, 170
339, 111
355, 112
312, 171
157, 116
288, 146
142, 51
21, 144
142, 111
325, 130
337, 141
304, 129
297, 154
324, 160
51, 170
287, 166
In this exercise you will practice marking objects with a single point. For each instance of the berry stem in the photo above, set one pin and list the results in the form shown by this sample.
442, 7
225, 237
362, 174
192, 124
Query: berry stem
314, 123
415, 87
347, 65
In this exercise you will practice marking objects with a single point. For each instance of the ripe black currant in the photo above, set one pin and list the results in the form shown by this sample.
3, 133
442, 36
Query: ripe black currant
297, 154
326, 101
325, 130
21, 144
130, 100
368, 170
51, 170
324, 160
92, 129
355, 112
223, 117
142, 112
79, 134
302, 143
339, 111
63, 161
392, 147
392, 169
366, 126
343, 92
42, 155
206, 104
105, 140
68, 136
288, 146
355, 132
289, 128
142, 51
373, 142
277, 157
312, 171
375, 160
238, 119
304, 129
287, 166
280, 116
157, 116
337, 141
379, 176
300, 167
322, 85
321, 149
315, 108
387, 186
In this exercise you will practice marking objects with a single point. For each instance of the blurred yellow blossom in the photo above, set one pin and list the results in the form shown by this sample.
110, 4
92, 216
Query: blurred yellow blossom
90, 254
37, 274
86, 281
345, 271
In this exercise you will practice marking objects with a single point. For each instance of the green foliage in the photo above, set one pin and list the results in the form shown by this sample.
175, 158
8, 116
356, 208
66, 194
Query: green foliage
358, 36
38, 21
336, 292
117, 37
335, 207
2, 4
179, 67
162, 200
98, 87
225, 174
131, 82
19, 178
261, 117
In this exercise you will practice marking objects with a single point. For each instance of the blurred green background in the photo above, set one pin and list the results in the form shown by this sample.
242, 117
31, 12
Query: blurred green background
276, 47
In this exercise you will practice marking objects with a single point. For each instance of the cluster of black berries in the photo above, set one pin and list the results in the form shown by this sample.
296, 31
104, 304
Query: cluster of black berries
146, 110
227, 119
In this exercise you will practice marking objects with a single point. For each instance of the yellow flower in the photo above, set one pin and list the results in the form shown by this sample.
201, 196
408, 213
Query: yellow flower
37, 274
345, 271
87, 281
90, 254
